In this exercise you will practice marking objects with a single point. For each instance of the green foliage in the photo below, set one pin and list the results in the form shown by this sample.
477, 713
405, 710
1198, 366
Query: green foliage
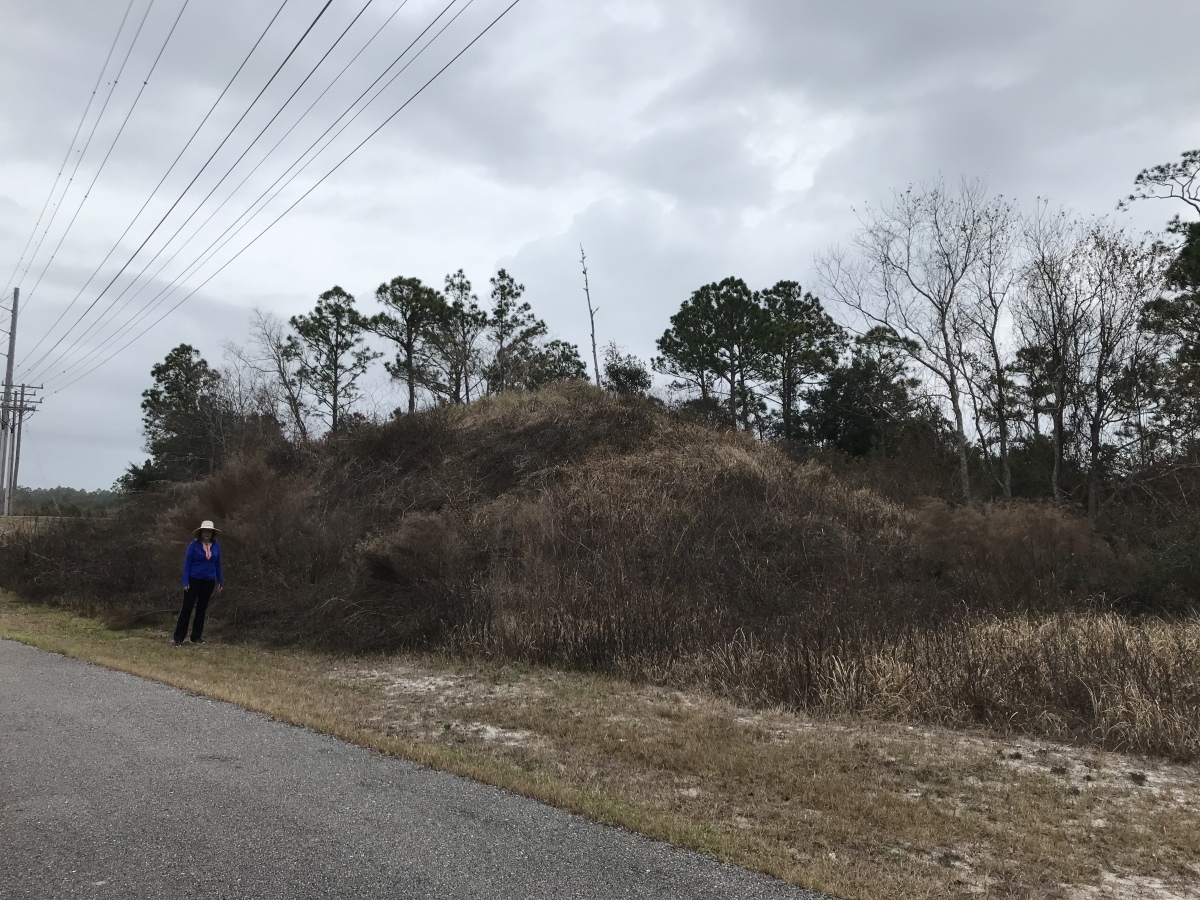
552, 361
329, 350
1179, 180
686, 351
749, 347
737, 344
181, 422
514, 332
624, 374
801, 343
414, 315
455, 365
64, 501
869, 405
1175, 318
1184, 273
718, 336
1077, 406
1170, 576
522, 357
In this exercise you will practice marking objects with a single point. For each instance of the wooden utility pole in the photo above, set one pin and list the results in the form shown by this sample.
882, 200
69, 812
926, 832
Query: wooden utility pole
10, 489
16, 412
591, 313
6, 406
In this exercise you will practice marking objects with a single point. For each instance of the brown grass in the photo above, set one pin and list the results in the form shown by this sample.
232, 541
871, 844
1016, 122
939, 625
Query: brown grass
1097, 679
855, 807
568, 528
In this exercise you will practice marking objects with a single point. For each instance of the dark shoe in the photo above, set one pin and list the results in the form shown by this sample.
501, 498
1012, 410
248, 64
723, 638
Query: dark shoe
176, 643
198, 640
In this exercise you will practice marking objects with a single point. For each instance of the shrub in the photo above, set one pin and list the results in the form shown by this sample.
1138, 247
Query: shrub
1017, 555
570, 527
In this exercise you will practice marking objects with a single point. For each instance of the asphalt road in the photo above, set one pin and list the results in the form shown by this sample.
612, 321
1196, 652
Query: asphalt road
114, 786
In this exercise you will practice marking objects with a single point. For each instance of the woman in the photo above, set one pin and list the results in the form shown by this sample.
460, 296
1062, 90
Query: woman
201, 575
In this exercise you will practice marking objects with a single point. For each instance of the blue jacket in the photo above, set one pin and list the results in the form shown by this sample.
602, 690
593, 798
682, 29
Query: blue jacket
197, 566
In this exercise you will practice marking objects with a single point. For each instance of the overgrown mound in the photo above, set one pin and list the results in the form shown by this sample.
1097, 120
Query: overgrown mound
570, 527
562, 524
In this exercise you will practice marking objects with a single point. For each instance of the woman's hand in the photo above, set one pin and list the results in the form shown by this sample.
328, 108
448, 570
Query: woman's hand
185, 587
220, 587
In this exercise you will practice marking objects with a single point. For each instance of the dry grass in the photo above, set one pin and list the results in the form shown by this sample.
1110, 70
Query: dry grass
572, 529
856, 807
1095, 678
25, 524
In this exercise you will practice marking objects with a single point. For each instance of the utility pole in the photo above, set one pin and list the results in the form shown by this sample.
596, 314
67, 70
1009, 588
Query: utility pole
18, 414
15, 414
5, 410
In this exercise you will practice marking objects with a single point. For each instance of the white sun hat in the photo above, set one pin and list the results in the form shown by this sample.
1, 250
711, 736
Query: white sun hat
207, 525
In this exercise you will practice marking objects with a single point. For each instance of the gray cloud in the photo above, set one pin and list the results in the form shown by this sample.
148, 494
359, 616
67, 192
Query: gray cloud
679, 142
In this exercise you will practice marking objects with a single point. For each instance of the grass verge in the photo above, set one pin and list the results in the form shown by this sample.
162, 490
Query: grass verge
857, 808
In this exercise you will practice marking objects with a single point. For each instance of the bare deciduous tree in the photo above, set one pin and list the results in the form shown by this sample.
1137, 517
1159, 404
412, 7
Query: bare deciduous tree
1052, 317
1124, 274
909, 273
268, 364
987, 316
1085, 287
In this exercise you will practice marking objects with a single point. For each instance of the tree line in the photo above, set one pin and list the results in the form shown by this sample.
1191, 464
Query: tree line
1039, 353
64, 501
299, 379
1047, 354
1040, 333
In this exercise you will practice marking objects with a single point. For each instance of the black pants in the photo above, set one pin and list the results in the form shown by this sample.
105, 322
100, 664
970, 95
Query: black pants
197, 595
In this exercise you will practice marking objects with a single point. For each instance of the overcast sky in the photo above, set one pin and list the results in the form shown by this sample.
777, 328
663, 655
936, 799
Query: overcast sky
680, 141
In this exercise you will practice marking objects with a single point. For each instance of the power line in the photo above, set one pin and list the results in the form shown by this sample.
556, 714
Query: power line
78, 128
208, 196
200, 260
206, 255
83, 152
111, 147
340, 163
162, 180
224, 140
266, 156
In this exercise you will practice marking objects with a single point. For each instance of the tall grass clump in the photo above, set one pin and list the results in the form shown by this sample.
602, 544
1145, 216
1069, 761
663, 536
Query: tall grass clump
1093, 677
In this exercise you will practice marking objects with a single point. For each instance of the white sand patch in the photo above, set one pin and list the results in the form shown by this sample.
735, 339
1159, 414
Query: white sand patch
393, 683
781, 727
439, 687
1087, 768
425, 684
1131, 887
623, 719
494, 734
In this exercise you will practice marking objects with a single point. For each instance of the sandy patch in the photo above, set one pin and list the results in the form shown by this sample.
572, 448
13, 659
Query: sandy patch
1131, 887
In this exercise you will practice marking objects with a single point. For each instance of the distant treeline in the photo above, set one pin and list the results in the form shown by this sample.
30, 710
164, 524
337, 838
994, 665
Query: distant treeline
63, 501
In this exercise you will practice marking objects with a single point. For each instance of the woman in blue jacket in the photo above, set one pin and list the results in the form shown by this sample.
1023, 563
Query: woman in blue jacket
201, 575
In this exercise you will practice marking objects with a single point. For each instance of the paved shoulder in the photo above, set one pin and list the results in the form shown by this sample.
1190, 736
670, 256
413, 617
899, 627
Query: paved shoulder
114, 786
